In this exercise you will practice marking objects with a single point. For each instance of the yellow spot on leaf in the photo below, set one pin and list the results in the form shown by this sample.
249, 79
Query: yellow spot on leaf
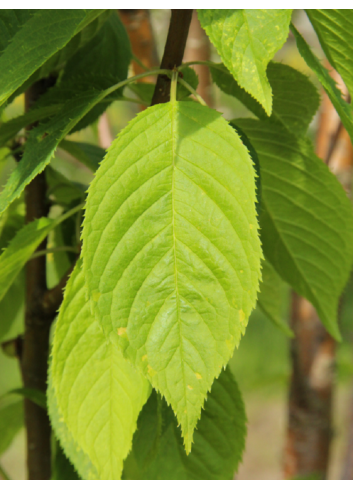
144, 358
198, 376
251, 226
241, 315
151, 371
190, 388
122, 332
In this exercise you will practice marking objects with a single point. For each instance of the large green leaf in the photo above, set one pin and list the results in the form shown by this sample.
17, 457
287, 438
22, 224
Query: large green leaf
306, 220
95, 395
41, 36
334, 30
246, 40
270, 298
11, 421
171, 249
295, 98
158, 451
344, 109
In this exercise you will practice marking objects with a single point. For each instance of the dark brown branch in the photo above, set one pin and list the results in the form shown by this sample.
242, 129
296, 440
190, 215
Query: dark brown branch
173, 52
34, 361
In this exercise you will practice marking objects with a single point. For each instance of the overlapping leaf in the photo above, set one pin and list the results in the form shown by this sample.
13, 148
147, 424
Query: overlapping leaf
158, 451
95, 396
295, 99
334, 28
306, 220
344, 109
36, 37
171, 249
270, 297
246, 40
81, 101
88, 154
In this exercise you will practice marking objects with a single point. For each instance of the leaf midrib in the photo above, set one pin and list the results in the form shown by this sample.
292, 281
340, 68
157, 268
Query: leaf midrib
177, 297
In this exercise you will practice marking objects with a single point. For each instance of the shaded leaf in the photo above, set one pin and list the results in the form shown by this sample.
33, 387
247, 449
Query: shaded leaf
334, 28
88, 154
62, 468
95, 395
344, 109
158, 451
171, 251
295, 98
246, 40
42, 35
306, 221
270, 298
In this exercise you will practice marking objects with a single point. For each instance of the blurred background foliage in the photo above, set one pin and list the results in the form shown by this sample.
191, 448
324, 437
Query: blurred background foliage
261, 365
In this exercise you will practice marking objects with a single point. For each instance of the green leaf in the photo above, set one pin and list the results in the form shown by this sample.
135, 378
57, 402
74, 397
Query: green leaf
12, 310
11, 421
270, 298
11, 128
344, 109
89, 154
11, 21
171, 249
33, 395
65, 192
334, 30
306, 221
158, 451
295, 98
95, 395
22, 246
246, 40
39, 38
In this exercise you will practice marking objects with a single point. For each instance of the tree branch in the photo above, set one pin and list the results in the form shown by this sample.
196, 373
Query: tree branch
173, 51
34, 360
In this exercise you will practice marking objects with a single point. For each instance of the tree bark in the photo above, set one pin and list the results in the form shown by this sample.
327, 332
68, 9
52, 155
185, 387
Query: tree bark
173, 52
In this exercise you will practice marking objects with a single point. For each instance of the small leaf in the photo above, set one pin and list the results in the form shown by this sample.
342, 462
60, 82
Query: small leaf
39, 38
33, 395
171, 250
158, 451
306, 220
11, 421
344, 109
295, 98
246, 40
334, 30
95, 395
88, 154
22, 246
270, 297
20, 249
